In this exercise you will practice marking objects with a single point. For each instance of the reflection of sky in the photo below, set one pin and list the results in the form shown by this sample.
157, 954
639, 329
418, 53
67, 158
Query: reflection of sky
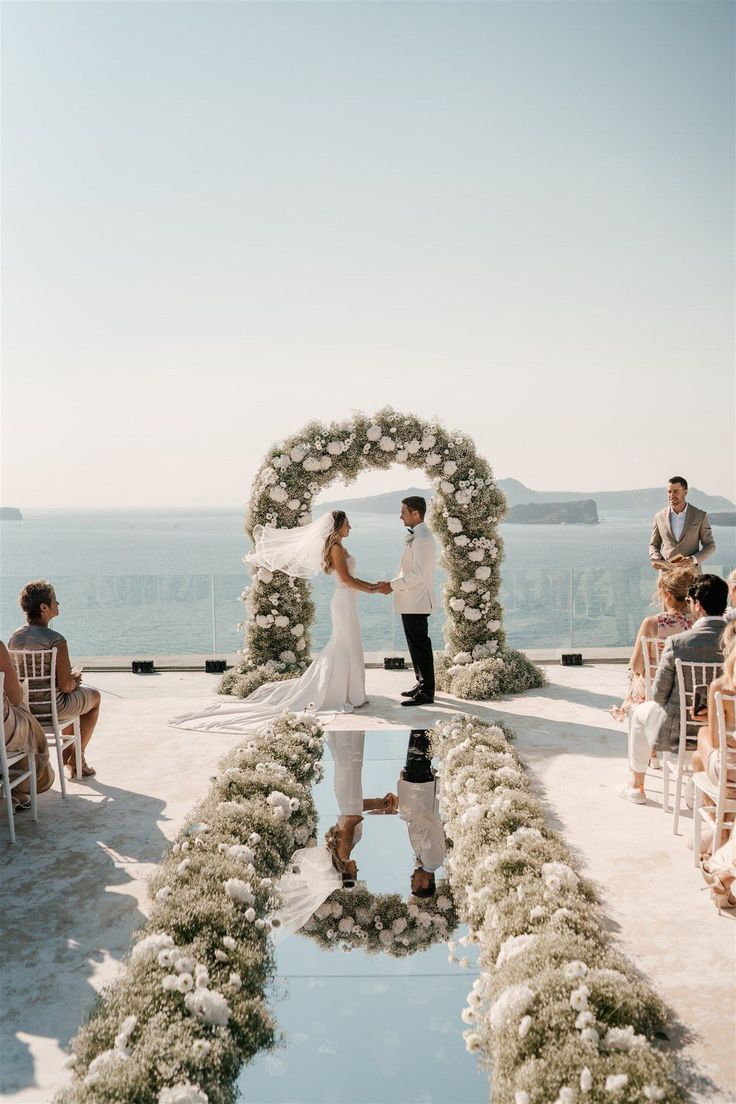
365, 1028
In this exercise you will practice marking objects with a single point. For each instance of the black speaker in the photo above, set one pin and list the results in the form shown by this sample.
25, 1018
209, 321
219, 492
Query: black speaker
142, 666
215, 666
572, 659
394, 663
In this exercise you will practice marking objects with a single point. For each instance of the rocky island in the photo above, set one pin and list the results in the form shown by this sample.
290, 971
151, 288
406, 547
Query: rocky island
10, 513
584, 512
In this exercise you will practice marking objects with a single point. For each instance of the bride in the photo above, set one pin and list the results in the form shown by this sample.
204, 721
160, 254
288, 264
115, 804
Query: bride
335, 681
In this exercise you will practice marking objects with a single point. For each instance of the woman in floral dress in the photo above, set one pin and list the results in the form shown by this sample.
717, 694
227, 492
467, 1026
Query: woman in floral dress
672, 588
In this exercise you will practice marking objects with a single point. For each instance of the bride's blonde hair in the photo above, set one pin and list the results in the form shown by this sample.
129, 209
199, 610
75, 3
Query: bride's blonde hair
339, 517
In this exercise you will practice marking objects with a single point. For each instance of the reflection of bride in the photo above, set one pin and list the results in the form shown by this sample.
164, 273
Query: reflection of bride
335, 681
319, 871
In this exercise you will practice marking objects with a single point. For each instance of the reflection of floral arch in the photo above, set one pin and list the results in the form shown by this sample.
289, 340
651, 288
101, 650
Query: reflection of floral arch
383, 923
466, 508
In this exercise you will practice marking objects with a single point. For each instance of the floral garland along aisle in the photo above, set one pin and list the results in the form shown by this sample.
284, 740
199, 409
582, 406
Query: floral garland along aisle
466, 508
189, 1007
557, 1016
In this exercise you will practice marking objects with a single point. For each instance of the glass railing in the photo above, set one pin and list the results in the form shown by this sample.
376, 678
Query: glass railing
156, 615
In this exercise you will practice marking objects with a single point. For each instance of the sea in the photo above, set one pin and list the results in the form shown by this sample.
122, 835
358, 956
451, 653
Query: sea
154, 583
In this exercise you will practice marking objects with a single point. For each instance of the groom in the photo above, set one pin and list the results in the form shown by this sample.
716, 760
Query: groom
413, 590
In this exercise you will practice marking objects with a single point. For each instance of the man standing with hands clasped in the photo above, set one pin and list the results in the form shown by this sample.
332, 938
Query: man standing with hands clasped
413, 591
681, 532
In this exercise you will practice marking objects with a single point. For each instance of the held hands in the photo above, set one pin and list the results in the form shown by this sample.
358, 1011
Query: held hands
381, 588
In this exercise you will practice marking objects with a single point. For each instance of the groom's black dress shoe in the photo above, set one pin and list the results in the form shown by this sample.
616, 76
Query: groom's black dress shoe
419, 699
411, 693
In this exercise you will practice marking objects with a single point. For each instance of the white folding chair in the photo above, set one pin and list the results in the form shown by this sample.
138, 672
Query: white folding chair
689, 675
651, 650
723, 795
9, 782
38, 669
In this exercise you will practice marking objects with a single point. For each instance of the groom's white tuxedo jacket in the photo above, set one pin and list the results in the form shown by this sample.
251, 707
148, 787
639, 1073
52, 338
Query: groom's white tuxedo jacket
413, 587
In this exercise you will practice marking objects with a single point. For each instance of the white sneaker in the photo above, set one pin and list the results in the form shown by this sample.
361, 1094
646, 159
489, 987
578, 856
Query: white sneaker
631, 793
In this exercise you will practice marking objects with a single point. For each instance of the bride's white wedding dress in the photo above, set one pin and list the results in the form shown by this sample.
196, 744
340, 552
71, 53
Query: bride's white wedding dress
333, 683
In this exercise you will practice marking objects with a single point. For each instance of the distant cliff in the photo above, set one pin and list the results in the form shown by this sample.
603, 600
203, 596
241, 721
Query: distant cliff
10, 513
723, 519
554, 513
646, 501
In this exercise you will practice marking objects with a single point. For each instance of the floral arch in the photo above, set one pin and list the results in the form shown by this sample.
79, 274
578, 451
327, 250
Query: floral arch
464, 513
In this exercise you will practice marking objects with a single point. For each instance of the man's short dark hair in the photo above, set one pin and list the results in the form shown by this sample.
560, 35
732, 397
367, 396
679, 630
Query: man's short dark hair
424, 891
34, 595
416, 502
679, 479
712, 593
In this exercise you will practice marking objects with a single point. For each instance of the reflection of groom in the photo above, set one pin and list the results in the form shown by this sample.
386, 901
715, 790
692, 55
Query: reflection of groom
419, 806
413, 590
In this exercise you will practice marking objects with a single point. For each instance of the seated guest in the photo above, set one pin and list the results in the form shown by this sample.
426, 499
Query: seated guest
681, 533
707, 757
23, 733
655, 724
730, 613
672, 588
38, 602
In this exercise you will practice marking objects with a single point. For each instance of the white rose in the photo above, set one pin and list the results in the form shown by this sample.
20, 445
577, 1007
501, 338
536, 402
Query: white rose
311, 464
281, 621
402, 456
457, 604
293, 503
298, 453
335, 448
450, 467
287, 657
297, 630
454, 525
428, 442
387, 444
471, 614
278, 494
445, 487
483, 573
413, 447
476, 555
325, 463
462, 540
301, 644
264, 575
432, 459
373, 433
269, 476
469, 586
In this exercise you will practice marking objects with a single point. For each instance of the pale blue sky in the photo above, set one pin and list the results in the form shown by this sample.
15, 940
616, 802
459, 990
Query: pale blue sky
221, 219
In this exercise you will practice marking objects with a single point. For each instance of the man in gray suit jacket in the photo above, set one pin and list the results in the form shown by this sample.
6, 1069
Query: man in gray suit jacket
680, 532
656, 723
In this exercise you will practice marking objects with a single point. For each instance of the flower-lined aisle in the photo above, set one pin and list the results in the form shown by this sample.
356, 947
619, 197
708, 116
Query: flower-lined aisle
557, 1016
466, 508
188, 1008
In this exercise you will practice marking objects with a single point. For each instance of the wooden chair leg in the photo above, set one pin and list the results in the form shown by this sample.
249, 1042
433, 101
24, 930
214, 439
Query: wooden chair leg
696, 828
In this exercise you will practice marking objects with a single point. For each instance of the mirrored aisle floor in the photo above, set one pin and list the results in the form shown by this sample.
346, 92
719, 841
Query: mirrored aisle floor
359, 1027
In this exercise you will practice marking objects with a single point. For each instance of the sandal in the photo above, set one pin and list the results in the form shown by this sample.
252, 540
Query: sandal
345, 867
21, 801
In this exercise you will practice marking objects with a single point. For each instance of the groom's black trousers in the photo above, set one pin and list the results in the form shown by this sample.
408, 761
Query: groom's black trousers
416, 630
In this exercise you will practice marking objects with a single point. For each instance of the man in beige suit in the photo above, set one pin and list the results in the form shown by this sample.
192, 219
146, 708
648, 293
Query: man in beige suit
681, 532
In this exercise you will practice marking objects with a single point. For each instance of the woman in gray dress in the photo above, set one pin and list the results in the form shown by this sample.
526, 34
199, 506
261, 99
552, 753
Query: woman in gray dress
39, 603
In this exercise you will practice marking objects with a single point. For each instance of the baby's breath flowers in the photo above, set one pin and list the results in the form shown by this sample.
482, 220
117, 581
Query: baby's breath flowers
189, 1007
556, 1014
464, 513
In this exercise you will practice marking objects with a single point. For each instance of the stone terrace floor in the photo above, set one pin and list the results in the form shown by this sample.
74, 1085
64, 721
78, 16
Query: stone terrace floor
74, 885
